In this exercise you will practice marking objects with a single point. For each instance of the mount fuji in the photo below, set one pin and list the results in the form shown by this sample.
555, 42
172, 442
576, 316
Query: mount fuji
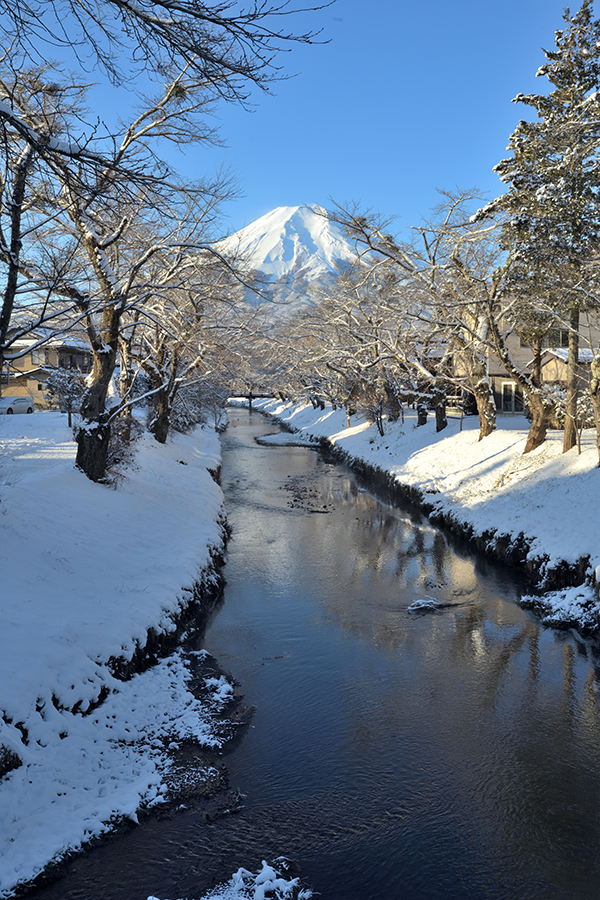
296, 249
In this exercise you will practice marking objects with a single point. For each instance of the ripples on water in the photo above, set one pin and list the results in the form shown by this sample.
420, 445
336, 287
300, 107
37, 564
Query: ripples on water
397, 755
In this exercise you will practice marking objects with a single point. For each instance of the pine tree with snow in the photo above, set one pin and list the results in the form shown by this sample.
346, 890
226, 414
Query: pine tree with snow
66, 387
552, 202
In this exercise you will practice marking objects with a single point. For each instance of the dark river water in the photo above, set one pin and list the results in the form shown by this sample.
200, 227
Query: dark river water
397, 755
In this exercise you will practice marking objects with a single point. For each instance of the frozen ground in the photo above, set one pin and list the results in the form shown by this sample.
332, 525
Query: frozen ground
550, 498
86, 571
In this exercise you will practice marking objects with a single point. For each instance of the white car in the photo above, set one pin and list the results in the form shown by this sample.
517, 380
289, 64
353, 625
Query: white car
10, 405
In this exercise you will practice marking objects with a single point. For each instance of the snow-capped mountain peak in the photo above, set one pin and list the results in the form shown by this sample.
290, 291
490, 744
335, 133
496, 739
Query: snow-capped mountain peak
296, 241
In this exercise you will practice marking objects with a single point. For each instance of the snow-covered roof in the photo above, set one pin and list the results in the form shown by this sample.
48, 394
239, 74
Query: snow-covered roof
562, 353
72, 343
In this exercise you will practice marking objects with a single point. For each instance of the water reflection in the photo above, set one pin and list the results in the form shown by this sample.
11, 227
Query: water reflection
447, 754
485, 726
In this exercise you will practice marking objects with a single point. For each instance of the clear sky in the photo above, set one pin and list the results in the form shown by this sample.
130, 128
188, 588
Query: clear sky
406, 97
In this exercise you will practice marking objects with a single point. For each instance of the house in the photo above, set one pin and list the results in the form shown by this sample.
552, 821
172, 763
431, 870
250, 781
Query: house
554, 365
507, 393
29, 362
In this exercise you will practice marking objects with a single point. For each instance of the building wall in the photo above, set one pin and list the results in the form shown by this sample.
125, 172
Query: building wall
27, 376
507, 393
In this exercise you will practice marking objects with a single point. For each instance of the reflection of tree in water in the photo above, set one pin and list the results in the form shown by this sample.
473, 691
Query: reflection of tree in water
559, 802
513, 737
387, 560
521, 746
379, 590
545, 802
388, 544
501, 719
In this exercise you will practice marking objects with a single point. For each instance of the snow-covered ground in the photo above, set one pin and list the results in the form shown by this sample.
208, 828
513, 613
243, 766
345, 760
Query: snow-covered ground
86, 570
549, 498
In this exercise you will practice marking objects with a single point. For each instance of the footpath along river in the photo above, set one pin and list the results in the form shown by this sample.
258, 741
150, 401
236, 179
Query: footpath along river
442, 754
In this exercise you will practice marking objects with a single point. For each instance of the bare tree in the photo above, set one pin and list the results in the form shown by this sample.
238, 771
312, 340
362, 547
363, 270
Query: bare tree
98, 211
227, 47
372, 352
455, 261
66, 387
435, 266
164, 339
31, 117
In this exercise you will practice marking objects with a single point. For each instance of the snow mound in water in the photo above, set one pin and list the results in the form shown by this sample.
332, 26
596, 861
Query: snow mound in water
269, 882
424, 604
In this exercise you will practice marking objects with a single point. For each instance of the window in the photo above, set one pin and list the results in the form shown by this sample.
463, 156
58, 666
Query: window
38, 357
558, 337
40, 387
512, 399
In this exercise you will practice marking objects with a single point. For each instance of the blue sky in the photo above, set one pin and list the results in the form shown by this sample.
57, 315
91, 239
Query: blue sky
405, 98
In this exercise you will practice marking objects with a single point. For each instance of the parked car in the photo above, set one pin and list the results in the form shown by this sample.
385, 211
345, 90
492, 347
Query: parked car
10, 405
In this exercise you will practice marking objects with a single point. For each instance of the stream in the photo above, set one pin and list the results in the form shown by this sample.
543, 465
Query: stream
446, 752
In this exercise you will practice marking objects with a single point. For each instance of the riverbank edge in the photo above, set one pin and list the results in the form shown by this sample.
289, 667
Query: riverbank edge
211, 793
194, 605
508, 549
182, 625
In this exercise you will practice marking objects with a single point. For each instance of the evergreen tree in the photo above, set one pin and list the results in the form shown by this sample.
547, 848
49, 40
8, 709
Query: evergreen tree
553, 208
66, 387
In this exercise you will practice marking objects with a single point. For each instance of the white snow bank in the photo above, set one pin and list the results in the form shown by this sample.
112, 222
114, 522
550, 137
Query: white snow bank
84, 773
86, 571
243, 885
567, 606
549, 498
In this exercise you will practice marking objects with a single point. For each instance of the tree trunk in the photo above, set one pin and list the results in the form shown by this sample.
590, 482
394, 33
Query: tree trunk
536, 364
92, 449
125, 371
480, 388
486, 407
540, 411
441, 420
570, 436
377, 413
160, 423
125, 381
12, 258
595, 394
93, 436
539, 405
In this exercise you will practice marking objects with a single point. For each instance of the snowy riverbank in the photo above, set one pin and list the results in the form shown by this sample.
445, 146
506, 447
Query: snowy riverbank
539, 510
87, 572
